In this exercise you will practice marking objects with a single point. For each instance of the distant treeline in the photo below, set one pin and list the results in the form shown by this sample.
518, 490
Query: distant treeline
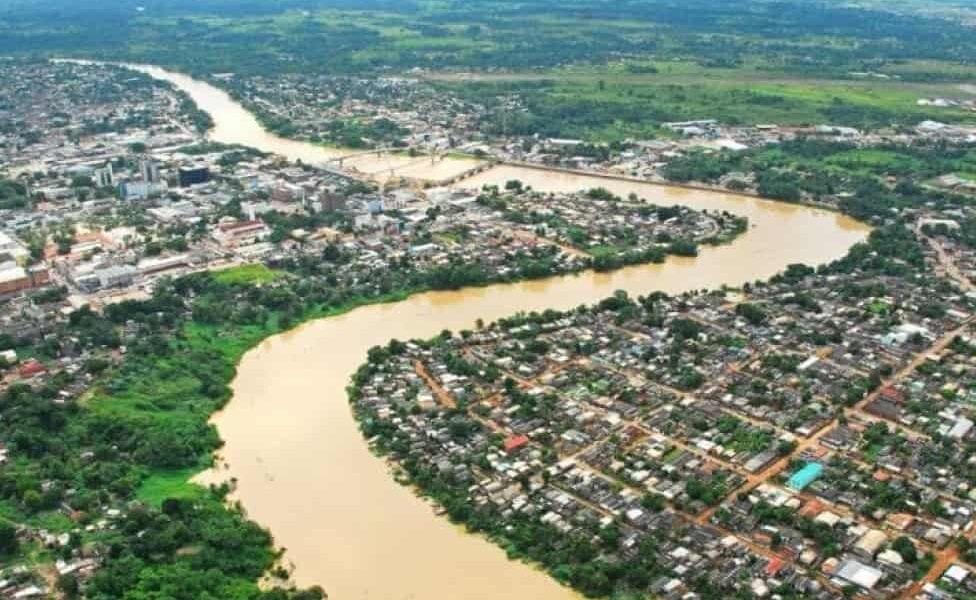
269, 36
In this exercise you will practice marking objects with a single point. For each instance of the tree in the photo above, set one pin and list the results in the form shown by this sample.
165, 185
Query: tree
68, 584
906, 547
8, 538
684, 247
751, 313
81, 181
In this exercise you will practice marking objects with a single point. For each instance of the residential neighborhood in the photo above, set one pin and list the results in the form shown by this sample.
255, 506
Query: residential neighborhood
809, 435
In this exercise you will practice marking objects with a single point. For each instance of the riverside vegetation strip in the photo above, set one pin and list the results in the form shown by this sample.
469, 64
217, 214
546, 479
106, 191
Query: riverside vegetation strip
142, 428
639, 446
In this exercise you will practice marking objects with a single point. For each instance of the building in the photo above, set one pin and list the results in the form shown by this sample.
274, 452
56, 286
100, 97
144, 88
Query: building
805, 476
288, 192
31, 368
193, 175
870, 543
332, 202
13, 248
140, 190
859, 574
328, 234
153, 266
241, 233
104, 177
516, 443
109, 277
18, 279
14, 280
149, 169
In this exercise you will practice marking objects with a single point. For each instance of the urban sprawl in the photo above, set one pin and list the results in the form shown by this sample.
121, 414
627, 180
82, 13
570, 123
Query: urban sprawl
811, 436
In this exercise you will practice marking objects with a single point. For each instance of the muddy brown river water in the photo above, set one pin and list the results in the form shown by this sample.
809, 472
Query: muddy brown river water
304, 471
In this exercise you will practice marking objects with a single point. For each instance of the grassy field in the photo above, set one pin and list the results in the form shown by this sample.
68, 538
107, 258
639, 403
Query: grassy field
872, 160
161, 485
246, 275
612, 104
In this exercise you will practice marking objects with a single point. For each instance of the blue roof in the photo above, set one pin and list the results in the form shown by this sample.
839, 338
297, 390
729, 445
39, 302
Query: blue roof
805, 476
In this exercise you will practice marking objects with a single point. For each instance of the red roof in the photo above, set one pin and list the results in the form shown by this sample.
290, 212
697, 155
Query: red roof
31, 368
892, 394
240, 226
774, 566
515, 442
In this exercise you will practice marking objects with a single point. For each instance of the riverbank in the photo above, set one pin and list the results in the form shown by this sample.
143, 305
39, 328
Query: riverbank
686, 185
302, 468
309, 450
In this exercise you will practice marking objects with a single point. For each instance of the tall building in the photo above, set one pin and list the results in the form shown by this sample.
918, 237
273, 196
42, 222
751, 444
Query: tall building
105, 176
140, 190
193, 175
149, 169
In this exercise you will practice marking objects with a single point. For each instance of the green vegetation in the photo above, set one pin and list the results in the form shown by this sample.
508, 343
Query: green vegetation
353, 133
865, 183
604, 105
594, 70
162, 485
13, 194
246, 275
142, 431
255, 37
573, 558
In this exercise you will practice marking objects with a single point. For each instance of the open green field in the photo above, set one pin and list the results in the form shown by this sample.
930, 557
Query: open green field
794, 37
246, 275
159, 486
608, 104
598, 70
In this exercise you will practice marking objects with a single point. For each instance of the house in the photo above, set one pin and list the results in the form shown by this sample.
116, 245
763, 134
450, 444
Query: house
870, 543
859, 574
14, 280
892, 394
31, 368
805, 476
12, 247
234, 234
775, 565
515, 443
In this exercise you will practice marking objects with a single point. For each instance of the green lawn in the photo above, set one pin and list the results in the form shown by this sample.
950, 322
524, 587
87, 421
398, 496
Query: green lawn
160, 485
875, 161
246, 275
606, 250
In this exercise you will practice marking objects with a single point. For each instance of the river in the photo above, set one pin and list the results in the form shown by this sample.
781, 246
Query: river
304, 471
233, 124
